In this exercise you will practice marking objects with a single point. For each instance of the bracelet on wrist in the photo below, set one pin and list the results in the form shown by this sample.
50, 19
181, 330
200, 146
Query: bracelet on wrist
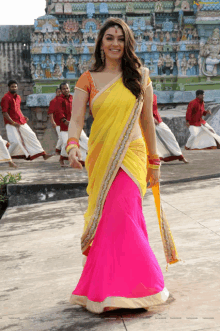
154, 166
72, 139
71, 146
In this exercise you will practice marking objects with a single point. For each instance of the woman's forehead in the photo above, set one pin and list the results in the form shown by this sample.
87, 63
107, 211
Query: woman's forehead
115, 31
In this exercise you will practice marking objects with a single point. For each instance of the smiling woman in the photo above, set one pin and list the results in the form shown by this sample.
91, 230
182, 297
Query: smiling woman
121, 270
22, 12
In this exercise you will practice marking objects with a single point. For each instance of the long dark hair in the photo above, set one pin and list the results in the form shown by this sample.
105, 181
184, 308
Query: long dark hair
130, 62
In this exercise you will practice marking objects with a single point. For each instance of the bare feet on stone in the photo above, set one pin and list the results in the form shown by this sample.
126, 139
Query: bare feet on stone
185, 160
47, 156
62, 164
12, 164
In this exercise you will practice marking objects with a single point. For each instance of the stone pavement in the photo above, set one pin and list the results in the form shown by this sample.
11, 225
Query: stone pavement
44, 181
41, 263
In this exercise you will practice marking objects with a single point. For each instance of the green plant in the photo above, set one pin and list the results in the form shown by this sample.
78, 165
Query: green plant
8, 179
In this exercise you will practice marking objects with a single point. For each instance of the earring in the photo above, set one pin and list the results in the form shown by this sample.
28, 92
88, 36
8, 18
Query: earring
102, 55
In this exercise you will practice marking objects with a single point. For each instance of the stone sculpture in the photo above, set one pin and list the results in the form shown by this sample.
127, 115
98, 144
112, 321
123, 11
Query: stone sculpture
212, 53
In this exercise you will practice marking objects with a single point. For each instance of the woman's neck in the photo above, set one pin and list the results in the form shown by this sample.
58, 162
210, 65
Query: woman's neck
112, 66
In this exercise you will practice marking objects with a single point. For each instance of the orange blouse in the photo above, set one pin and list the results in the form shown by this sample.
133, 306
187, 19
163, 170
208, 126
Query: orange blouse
85, 83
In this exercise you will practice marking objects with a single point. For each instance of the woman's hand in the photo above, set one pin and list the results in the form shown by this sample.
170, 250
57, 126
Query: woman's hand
73, 154
153, 175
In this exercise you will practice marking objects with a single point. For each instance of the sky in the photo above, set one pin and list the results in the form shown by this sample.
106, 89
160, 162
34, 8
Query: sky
21, 12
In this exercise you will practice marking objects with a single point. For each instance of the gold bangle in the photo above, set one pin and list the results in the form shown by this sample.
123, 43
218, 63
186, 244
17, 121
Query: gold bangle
155, 156
69, 147
153, 166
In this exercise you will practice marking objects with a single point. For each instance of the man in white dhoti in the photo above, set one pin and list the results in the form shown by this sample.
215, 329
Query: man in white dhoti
4, 154
167, 146
54, 120
23, 141
63, 113
202, 135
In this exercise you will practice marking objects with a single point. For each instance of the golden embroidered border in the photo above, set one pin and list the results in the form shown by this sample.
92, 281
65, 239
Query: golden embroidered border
120, 151
120, 302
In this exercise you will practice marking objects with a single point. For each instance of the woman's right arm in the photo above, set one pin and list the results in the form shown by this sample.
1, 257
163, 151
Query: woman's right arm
76, 125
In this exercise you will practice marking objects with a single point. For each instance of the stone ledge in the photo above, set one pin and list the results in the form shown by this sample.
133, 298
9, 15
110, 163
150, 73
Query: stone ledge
163, 97
36, 193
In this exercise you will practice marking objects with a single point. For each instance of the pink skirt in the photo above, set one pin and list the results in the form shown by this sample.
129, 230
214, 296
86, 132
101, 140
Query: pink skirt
121, 270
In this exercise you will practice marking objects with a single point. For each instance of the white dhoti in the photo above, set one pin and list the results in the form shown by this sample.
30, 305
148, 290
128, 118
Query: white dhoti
24, 142
168, 148
4, 154
59, 141
202, 137
83, 143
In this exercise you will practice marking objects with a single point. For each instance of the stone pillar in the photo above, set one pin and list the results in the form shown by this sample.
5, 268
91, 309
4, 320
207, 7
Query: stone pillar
39, 120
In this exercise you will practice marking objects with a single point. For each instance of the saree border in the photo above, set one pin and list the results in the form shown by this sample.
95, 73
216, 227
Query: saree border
120, 302
112, 169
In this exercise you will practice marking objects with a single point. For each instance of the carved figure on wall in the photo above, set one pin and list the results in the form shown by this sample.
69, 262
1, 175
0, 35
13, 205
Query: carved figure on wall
212, 53
61, 36
167, 35
57, 72
54, 37
161, 36
200, 65
151, 35
156, 36
173, 35
69, 38
71, 26
184, 35
184, 66
195, 34
47, 38
48, 65
62, 63
168, 65
192, 63
39, 72
40, 38
70, 63
83, 66
178, 37
178, 64
189, 34
160, 64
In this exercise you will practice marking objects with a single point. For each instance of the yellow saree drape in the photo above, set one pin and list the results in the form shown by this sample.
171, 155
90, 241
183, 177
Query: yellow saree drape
116, 112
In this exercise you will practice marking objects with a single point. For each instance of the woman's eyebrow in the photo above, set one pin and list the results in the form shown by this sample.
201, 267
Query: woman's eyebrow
108, 34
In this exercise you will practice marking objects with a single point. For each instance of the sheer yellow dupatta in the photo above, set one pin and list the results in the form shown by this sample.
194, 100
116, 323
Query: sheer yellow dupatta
115, 111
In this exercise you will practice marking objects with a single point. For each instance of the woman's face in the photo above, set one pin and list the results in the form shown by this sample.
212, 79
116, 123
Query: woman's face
113, 43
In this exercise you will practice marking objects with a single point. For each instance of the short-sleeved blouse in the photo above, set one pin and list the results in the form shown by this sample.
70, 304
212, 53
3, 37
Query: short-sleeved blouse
86, 84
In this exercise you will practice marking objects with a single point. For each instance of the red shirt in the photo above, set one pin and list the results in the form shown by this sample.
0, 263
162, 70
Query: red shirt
195, 111
155, 110
52, 110
11, 104
63, 110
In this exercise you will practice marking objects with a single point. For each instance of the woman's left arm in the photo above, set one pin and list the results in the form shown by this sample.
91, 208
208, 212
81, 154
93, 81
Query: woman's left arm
147, 121
148, 127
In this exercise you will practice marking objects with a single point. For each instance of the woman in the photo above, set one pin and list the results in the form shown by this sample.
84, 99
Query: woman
121, 270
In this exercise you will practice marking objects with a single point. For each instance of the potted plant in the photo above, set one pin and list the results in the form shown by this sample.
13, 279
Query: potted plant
4, 180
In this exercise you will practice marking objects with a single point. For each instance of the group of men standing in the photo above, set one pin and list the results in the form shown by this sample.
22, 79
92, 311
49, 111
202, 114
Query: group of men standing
23, 142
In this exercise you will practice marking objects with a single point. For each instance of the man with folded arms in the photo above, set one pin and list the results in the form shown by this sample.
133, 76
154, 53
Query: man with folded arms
23, 141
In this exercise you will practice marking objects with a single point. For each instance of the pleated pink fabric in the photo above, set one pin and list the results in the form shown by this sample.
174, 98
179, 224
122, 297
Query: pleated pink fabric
120, 262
